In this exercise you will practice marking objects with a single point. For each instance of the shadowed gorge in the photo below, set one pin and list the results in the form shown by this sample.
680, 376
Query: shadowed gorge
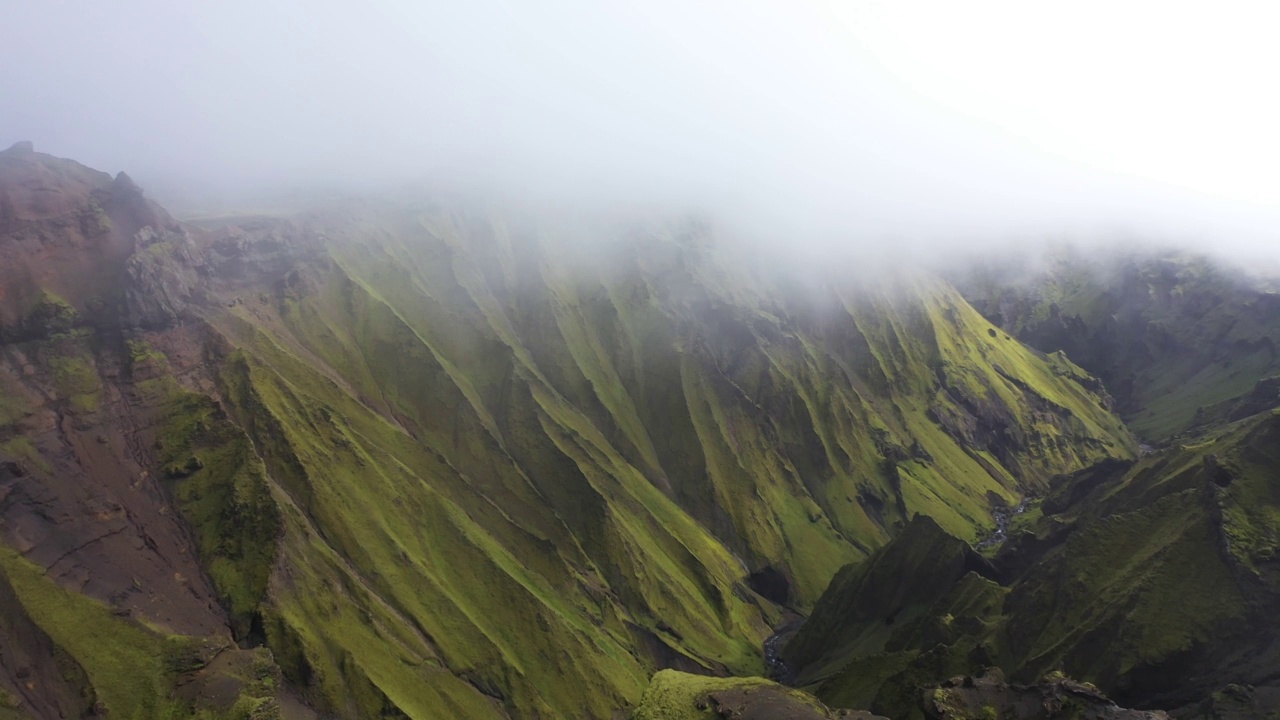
437, 464
1155, 580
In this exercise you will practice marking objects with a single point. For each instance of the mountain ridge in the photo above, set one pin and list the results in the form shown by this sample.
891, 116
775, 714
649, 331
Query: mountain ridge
1154, 579
1171, 334
436, 470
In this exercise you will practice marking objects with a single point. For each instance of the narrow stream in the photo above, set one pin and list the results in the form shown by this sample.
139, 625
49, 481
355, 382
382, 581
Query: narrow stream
775, 667
1004, 516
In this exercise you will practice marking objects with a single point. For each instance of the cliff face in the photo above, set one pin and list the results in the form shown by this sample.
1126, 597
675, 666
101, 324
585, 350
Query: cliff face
446, 464
70, 234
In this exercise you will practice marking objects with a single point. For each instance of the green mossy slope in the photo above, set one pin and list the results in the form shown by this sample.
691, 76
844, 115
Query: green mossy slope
218, 482
869, 603
1170, 334
134, 671
450, 465
1155, 580
487, 453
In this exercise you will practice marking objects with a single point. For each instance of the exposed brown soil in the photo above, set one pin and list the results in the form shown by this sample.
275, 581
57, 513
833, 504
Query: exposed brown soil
79, 501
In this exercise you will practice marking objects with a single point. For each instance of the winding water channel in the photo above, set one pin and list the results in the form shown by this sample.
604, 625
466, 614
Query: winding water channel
1003, 516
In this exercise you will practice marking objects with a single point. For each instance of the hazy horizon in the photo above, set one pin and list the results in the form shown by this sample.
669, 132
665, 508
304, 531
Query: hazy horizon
855, 124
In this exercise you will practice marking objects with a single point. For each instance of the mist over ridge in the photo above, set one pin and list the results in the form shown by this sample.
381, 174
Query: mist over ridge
650, 360
821, 128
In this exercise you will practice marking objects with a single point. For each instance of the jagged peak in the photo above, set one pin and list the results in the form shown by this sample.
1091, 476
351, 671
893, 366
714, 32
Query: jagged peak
124, 182
22, 147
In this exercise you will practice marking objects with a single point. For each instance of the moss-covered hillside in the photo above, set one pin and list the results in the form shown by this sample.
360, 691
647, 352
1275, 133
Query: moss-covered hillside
458, 464
1170, 334
1155, 580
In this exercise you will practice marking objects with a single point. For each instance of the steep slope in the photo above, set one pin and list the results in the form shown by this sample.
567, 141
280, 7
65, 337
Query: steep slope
445, 464
1156, 580
868, 602
1170, 334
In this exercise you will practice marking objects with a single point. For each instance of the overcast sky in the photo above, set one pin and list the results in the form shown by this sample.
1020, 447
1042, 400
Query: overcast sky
833, 118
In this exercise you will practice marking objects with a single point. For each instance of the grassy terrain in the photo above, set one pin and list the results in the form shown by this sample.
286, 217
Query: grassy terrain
469, 436
122, 659
218, 482
131, 669
447, 468
1154, 580
1170, 334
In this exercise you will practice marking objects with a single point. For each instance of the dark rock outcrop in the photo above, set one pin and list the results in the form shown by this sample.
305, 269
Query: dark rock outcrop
988, 697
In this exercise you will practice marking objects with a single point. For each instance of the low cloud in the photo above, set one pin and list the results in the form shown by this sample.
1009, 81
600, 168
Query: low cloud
830, 127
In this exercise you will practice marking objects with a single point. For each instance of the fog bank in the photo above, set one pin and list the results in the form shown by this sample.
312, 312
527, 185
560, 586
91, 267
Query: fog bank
845, 125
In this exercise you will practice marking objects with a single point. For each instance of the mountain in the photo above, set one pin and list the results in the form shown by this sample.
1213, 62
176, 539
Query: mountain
1155, 580
433, 459
1170, 334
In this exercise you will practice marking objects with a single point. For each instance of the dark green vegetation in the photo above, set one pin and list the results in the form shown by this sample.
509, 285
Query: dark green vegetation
430, 463
104, 663
399, 460
219, 485
1154, 580
1054, 697
587, 468
1170, 335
